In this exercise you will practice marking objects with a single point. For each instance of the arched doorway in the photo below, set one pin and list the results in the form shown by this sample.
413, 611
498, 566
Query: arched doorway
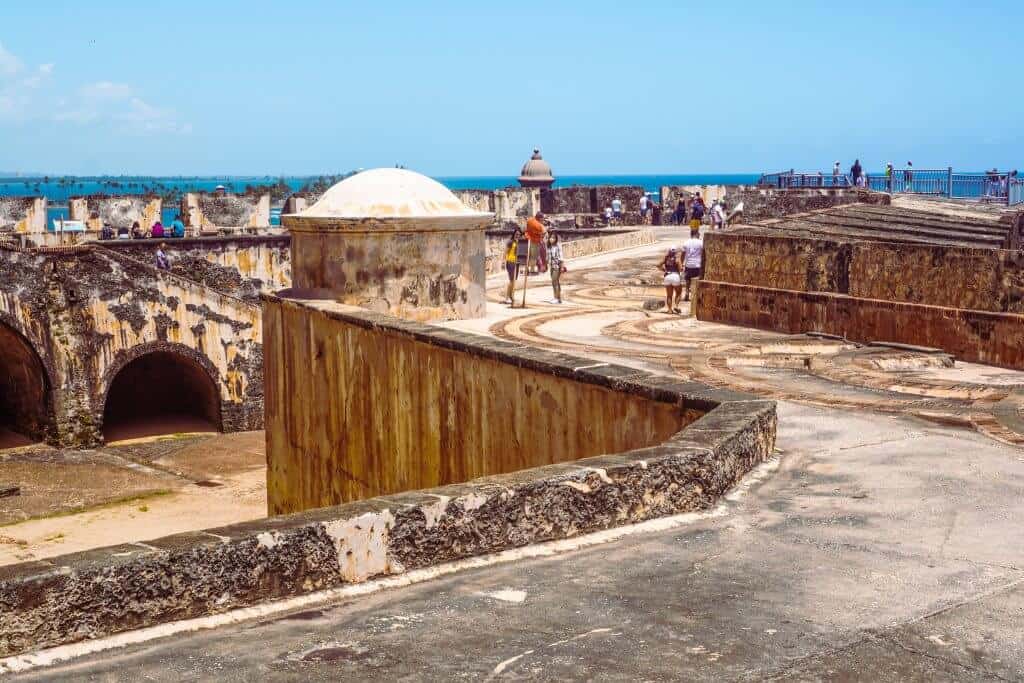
160, 392
24, 391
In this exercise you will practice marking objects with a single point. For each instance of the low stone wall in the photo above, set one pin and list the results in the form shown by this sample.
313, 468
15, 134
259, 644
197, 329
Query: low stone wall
935, 275
581, 242
974, 336
23, 215
241, 265
760, 203
211, 212
117, 212
575, 199
967, 301
105, 591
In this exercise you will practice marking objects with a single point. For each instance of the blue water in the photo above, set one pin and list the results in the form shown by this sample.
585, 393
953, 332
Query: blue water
59, 190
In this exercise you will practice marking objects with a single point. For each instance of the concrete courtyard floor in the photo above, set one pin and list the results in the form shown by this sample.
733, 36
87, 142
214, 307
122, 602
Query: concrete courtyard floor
876, 546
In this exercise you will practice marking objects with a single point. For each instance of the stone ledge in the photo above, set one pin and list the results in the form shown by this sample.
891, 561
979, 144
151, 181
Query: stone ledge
110, 590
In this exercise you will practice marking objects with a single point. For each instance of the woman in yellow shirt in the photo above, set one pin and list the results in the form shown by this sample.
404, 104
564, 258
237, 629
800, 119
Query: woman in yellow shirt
512, 263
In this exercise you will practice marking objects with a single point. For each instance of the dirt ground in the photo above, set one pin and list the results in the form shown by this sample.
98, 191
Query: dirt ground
132, 491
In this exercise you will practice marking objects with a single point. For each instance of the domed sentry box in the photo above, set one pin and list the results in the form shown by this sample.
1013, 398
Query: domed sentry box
392, 241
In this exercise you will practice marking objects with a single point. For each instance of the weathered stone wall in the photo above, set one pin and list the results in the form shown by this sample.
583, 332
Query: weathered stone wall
110, 590
25, 215
935, 275
418, 413
420, 269
760, 203
240, 265
87, 312
477, 200
235, 212
117, 212
974, 336
966, 301
575, 199
578, 243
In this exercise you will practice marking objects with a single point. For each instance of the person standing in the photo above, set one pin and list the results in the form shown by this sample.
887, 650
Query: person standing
162, 262
617, 208
673, 284
856, 172
535, 235
693, 259
680, 213
888, 176
908, 177
696, 212
512, 263
835, 174
643, 207
557, 265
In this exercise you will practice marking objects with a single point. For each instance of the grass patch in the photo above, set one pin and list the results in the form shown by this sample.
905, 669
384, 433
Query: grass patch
116, 502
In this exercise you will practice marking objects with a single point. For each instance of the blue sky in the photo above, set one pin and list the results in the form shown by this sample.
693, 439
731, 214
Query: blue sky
460, 88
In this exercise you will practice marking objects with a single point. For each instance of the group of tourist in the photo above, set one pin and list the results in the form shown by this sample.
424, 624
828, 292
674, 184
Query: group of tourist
537, 246
682, 264
157, 231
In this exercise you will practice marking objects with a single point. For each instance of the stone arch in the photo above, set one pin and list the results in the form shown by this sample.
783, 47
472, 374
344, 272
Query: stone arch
159, 388
26, 388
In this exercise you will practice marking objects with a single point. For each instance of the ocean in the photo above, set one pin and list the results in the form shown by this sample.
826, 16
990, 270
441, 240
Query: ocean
58, 190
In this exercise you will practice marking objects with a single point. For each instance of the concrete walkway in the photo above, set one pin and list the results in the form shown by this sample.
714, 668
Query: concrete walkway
882, 549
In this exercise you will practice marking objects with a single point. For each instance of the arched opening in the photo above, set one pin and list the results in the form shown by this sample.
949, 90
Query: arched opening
160, 393
24, 391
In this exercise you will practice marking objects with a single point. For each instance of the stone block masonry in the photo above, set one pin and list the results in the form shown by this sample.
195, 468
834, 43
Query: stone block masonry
212, 212
117, 212
110, 590
873, 274
23, 215
76, 318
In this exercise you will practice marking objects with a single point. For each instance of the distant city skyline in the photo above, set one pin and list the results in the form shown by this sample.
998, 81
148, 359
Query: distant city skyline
469, 89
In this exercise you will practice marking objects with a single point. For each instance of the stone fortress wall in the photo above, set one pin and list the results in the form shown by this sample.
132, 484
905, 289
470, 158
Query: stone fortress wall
116, 211
212, 212
874, 274
22, 215
84, 314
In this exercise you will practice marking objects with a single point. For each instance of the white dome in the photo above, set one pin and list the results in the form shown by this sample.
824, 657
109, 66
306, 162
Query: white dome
388, 193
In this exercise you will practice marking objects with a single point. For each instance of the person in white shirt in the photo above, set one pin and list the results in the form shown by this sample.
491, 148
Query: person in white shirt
643, 207
693, 259
617, 207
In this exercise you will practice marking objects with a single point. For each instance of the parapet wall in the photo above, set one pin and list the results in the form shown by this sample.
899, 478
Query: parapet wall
579, 243
760, 203
966, 301
242, 266
101, 592
24, 215
211, 212
117, 212
424, 407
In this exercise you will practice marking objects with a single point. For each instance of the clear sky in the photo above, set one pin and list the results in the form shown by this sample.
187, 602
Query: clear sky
469, 88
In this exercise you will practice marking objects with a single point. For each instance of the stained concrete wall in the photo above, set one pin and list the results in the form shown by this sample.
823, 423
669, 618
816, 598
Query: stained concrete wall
477, 200
99, 210
359, 405
240, 265
24, 215
87, 312
565, 200
205, 212
420, 269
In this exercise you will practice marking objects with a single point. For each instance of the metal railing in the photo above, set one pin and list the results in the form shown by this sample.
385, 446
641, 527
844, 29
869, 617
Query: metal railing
791, 179
1015, 192
991, 186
